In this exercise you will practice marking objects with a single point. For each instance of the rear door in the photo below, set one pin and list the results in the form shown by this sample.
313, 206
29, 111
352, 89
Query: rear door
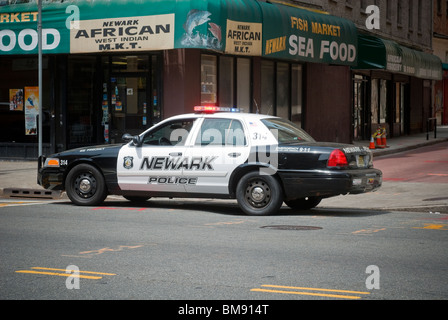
218, 147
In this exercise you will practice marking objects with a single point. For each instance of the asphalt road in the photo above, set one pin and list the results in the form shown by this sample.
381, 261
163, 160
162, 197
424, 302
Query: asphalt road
387, 245
208, 250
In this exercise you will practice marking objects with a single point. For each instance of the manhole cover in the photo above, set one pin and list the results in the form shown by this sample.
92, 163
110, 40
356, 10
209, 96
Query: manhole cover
299, 228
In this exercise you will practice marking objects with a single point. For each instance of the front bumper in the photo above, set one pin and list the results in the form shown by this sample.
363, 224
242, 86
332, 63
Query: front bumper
49, 178
329, 183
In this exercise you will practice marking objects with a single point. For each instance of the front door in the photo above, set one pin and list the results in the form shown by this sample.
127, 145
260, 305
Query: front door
157, 165
128, 106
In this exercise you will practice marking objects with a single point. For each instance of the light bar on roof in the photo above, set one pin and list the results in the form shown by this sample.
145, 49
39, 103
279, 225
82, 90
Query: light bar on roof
213, 109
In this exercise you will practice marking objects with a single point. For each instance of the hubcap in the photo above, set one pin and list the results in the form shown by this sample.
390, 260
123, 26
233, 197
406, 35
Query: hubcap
85, 185
258, 193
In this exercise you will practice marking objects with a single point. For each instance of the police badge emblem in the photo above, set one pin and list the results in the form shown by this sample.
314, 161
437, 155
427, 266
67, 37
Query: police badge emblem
128, 162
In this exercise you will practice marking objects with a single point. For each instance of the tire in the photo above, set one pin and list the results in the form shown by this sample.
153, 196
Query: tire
304, 203
85, 185
259, 195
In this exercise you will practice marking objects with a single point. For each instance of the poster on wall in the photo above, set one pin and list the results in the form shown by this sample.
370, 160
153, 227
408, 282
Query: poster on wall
31, 110
16, 99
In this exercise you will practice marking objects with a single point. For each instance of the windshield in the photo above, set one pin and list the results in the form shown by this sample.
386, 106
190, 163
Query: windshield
286, 131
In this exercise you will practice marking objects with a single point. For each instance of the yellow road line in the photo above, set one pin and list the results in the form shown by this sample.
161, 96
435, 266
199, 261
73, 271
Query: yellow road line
315, 289
66, 274
58, 274
311, 293
94, 272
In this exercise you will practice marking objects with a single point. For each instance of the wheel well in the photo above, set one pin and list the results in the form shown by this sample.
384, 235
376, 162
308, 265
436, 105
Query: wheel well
240, 172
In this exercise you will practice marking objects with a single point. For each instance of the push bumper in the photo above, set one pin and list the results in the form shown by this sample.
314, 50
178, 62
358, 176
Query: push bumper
329, 183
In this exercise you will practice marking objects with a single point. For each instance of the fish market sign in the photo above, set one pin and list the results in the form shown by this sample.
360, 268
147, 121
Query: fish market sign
298, 34
123, 34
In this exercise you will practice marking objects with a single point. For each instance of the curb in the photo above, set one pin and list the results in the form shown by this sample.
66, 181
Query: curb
386, 151
30, 193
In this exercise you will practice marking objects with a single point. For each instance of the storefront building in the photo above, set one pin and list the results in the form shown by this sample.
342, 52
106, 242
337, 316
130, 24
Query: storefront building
122, 66
115, 67
393, 87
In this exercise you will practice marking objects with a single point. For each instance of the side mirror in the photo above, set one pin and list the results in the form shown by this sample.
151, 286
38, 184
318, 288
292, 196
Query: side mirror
137, 140
127, 137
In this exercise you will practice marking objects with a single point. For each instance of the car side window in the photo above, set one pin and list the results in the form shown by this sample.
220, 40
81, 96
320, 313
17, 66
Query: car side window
221, 132
173, 133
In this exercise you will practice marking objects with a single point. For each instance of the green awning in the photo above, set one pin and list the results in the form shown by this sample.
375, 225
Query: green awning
298, 34
241, 27
381, 54
84, 26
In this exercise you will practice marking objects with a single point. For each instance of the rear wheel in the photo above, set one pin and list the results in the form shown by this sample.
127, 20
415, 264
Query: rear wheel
304, 203
85, 185
259, 194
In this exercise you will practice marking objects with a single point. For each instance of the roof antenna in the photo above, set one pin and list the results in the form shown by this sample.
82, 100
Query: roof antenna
258, 110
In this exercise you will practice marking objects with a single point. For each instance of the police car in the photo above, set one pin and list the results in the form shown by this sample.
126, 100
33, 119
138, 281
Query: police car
259, 160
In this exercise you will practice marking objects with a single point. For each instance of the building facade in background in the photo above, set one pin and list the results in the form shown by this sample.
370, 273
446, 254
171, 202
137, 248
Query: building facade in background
115, 67
440, 45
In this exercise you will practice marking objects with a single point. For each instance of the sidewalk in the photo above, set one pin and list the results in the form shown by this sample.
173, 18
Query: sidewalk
19, 175
400, 144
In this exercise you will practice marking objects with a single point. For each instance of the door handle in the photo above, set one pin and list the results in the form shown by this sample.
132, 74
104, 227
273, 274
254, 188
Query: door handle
175, 154
234, 154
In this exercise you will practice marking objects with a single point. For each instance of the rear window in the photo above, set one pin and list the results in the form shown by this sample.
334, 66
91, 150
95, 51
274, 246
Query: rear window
286, 131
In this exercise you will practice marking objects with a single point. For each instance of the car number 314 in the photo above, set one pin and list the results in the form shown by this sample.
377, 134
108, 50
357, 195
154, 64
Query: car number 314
260, 161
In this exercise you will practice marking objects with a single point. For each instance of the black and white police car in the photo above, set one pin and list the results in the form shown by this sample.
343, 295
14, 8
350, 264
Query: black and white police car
259, 160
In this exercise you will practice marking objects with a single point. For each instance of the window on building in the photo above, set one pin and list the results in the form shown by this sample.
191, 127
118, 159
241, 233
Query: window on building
209, 72
399, 13
243, 90
296, 94
226, 81
281, 90
388, 10
420, 15
267, 87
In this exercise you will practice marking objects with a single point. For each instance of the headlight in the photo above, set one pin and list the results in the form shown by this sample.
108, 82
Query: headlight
52, 162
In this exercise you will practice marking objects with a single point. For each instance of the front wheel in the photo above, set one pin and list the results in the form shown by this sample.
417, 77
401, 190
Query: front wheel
259, 194
85, 185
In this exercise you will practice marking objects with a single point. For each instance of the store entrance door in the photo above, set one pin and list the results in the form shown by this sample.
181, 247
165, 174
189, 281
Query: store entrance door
128, 106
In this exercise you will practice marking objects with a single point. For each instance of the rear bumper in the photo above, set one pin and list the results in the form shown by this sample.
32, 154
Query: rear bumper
329, 183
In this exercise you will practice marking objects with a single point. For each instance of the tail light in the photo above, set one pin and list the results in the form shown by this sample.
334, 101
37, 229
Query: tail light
337, 159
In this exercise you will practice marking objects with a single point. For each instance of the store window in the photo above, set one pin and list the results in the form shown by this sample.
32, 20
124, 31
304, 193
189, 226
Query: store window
81, 97
296, 94
283, 95
209, 79
226, 81
244, 92
267, 87
229, 85
282, 90
20, 101
131, 95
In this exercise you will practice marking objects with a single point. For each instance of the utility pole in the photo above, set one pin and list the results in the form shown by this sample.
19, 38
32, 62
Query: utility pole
39, 39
